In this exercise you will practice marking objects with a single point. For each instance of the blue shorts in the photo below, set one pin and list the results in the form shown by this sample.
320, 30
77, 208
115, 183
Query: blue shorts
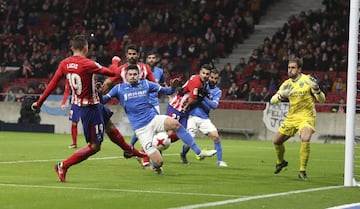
74, 114
182, 117
92, 119
107, 113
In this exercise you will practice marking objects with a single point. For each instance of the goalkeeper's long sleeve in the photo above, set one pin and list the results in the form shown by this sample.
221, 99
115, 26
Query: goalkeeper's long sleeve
320, 96
275, 99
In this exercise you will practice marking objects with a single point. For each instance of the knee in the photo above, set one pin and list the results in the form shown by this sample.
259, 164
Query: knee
158, 162
214, 136
95, 147
277, 142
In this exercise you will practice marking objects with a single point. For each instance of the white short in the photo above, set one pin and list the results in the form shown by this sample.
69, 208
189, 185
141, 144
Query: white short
157, 108
146, 133
204, 125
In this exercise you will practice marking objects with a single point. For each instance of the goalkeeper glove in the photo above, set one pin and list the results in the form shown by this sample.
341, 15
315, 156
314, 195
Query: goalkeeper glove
312, 82
285, 92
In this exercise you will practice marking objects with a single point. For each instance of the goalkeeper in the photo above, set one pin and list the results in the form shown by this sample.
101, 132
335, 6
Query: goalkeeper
301, 91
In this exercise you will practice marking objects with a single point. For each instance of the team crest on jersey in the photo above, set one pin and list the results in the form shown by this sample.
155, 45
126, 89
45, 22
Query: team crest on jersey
301, 84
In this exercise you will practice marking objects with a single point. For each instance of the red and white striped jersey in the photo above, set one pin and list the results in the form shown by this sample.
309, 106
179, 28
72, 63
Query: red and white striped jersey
190, 90
80, 72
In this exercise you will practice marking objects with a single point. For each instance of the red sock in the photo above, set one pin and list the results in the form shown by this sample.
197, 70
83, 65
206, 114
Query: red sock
146, 159
78, 156
173, 137
74, 133
116, 137
141, 154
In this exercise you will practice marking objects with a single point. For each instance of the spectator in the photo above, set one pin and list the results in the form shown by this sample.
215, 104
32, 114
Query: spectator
339, 108
27, 115
59, 90
257, 74
226, 76
20, 95
264, 95
240, 68
339, 86
10, 96
3, 72
243, 93
232, 92
273, 77
27, 69
326, 83
252, 96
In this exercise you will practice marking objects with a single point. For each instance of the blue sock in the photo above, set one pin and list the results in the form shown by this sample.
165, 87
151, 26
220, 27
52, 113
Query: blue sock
218, 148
133, 140
188, 139
185, 149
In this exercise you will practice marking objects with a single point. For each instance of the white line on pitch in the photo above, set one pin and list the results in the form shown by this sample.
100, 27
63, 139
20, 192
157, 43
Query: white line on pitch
115, 190
243, 199
55, 160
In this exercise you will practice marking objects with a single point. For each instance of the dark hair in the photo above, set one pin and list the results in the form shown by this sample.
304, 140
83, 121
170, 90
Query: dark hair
132, 47
215, 71
206, 66
78, 42
132, 67
151, 53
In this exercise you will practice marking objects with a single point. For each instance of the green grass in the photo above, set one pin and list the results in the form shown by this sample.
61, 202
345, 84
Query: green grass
108, 181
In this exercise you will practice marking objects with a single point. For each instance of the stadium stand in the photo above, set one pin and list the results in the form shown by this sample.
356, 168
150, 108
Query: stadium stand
32, 32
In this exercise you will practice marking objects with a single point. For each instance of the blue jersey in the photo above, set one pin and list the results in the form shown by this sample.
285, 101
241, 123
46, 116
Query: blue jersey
159, 76
135, 100
202, 110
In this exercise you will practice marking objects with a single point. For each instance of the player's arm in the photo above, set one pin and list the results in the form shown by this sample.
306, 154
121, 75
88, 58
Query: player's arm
214, 102
155, 87
112, 70
114, 92
109, 82
66, 94
315, 89
50, 87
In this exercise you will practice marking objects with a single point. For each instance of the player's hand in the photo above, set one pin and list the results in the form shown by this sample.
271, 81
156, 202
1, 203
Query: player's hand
286, 91
312, 82
203, 93
99, 86
176, 82
180, 92
116, 59
35, 107
63, 106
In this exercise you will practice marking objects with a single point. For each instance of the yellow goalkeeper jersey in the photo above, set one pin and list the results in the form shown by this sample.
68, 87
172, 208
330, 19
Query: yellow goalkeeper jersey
301, 99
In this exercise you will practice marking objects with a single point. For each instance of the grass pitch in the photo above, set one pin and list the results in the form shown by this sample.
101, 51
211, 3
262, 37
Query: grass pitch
108, 181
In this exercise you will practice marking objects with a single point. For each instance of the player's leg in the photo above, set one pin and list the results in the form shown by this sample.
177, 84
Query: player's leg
214, 135
279, 147
184, 135
305, 136
133, 140
74, 116
93, 125
116, 137
209, 129
192, 129
145, 135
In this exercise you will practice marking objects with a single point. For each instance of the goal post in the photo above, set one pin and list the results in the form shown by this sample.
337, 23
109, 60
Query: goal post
349, 178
